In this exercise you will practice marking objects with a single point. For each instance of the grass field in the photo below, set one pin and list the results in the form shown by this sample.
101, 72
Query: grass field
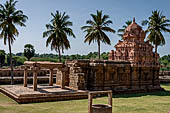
158, 102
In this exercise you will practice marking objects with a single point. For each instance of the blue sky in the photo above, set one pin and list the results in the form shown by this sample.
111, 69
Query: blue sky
39, 13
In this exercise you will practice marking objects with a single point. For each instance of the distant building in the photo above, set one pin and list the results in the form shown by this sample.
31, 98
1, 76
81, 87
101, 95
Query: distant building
133, 48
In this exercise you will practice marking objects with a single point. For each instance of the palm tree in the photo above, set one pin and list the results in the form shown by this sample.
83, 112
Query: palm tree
157, 24
9, 18
57, 32
29, 51
96, 29
122, 30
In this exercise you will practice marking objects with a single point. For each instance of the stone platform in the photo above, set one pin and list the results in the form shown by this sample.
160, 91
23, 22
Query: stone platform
44, 93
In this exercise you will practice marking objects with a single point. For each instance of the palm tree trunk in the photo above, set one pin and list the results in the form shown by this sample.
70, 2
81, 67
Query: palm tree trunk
11, 63
59, 54
156, 47
98, 48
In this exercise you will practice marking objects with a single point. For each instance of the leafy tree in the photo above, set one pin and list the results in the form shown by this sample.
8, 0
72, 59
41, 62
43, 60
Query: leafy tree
58, 31
9, 18
157, 23
29, 51
122, 30
96, 29
19, 54
105, 55
17, 61
2, 57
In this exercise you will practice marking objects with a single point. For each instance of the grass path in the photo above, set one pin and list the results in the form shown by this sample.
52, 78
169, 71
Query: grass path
158, 102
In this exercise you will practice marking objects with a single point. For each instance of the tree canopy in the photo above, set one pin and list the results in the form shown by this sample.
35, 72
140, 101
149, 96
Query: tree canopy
2, 57
29, 51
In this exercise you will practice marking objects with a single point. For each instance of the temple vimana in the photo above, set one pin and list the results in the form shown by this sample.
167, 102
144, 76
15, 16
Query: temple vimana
134, 49
132, 67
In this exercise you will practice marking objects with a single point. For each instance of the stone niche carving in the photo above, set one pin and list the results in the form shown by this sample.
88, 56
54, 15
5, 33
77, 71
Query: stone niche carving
134, 49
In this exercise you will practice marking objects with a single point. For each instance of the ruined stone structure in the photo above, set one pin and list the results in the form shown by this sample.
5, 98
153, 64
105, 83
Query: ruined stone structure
134, 49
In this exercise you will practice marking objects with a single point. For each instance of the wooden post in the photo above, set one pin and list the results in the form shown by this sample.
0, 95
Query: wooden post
51, 78
25, 76
90, 100
35, 78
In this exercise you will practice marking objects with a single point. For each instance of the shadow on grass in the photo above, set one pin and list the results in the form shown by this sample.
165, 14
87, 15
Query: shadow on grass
159, 93
166, 92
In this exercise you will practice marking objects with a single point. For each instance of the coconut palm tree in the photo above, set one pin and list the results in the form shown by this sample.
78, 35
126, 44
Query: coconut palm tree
9, 18
157, 23
58, 31
96, 29
122, 30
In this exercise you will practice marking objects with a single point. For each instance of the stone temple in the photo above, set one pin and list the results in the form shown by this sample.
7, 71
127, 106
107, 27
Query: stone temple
133, 48
133, 67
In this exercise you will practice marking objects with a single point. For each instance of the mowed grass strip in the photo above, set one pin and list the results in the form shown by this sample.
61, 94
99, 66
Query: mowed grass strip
157, 102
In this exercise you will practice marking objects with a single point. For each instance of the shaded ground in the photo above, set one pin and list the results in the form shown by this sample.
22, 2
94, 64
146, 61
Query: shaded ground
158, 102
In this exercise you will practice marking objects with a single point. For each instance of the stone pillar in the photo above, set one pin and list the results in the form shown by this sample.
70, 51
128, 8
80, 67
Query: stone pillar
63, 80
63, 74
35, 78
25, 77
51, 78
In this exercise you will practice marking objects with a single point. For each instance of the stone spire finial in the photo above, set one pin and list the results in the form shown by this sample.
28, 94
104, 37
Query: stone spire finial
133, 19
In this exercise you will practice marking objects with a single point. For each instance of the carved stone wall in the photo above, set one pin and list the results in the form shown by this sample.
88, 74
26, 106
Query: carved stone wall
117, 76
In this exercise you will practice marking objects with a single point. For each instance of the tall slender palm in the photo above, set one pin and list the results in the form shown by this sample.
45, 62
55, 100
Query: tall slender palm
122, 30
58, 31
96, 29
157, 24
9, 18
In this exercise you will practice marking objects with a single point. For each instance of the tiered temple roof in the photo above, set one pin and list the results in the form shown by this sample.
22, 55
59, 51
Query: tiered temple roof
133, 48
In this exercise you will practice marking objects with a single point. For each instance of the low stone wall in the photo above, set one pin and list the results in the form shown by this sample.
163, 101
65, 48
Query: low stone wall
117, 76
20, 72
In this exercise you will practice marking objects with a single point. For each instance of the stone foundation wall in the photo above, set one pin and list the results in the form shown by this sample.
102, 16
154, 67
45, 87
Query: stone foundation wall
117, 76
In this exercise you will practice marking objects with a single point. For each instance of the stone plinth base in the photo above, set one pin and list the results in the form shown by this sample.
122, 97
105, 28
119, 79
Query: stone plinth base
44, 93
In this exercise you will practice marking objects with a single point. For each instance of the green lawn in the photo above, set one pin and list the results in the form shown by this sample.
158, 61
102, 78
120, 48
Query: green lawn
128, 103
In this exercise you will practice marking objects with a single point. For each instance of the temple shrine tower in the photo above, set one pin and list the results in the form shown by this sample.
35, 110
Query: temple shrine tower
134, 48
